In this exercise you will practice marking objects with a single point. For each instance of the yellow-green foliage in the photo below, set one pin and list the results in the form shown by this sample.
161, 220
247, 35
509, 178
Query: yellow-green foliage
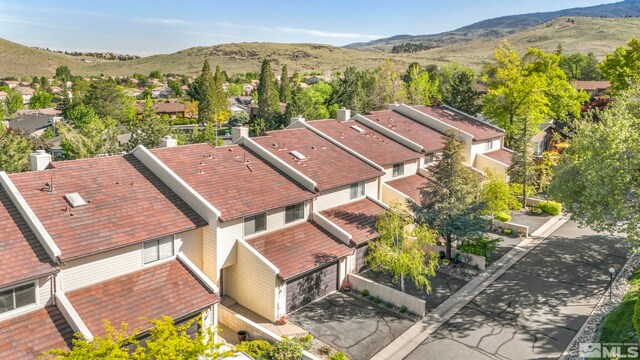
551, 207
254, 348
502, 217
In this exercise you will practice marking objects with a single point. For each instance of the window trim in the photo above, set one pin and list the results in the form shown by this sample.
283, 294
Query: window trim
21, 309
294, 219
400, 167
244, 224
173, 250
359, 194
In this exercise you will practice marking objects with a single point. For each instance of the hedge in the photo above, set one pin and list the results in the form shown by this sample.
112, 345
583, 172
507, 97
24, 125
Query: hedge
502, 217
551, 207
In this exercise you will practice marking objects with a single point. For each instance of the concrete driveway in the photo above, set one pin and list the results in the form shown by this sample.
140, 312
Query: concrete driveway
350, 324
536, 307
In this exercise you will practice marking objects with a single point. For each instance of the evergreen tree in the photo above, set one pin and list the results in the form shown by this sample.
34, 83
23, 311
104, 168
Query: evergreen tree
285, 86
457, 87
149, 129
268, 104
206, 94
451, 204
354, 90
109, 100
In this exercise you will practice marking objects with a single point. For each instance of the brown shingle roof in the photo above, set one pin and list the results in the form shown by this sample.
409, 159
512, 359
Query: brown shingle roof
430, 140
370, 144
479, 130
165, 289
23, 257
129, 204
501, 155
591, 85
358, 218
29, 335
410, 186
327, 164
232, 186
164, 107
297, 249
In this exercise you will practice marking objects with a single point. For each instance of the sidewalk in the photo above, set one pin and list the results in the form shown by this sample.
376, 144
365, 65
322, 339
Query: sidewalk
415, 335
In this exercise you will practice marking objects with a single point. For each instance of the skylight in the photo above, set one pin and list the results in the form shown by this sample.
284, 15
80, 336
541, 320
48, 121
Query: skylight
75, 200
298, 155
357, 128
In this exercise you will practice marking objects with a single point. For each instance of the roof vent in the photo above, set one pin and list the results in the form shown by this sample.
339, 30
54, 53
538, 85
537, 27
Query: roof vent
357, 128
298, 155
75, 200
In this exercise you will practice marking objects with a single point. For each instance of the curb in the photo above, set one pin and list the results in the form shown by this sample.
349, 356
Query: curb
420, 331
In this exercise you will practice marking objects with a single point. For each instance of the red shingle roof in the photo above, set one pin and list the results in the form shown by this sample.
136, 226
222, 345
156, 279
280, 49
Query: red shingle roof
479, 130
501, 155
358, 218
430, 140
29, 335
129, 204
327, 164
410, 186
23, 257
299, 248
374, 146
166, 289
232, 186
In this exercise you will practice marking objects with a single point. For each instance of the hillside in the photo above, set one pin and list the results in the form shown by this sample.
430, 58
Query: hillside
20, 60
504, 26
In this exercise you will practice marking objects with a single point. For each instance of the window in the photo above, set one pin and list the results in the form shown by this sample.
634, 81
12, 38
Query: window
488, 145
155, 250
357, 189
398, 169
255, 224
293, 213
428, 159
17, 297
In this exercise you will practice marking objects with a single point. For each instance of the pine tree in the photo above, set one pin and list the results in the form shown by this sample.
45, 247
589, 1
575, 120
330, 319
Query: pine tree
149, 129
285, 86
206, 100
268, 105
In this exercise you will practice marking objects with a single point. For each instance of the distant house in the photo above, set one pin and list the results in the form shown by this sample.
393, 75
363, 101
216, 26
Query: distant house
248, 88
3, 95
547, 138
592, 87
26, 92
310, 80
161, 91
56, 90
239, 104
170, 109
12, 83
35, 122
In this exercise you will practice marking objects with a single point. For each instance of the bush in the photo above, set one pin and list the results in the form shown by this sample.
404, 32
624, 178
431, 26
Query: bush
365, 292
388, 305
551, 207
254, 348
535, 211
377, 300
286, 349
502, 217
306, 341
482, 246
507, 232
338, 356
325, 350
403, 309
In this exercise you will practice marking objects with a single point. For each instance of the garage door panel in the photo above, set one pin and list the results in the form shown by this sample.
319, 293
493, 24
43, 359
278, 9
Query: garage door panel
307, 288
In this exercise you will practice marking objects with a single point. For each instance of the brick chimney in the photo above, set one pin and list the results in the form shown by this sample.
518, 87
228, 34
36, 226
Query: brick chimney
39, 160
343, 114
167, 142
237, 132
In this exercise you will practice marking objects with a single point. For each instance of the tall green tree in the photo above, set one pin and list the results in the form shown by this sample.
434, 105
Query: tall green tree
496, 194
451, 205
13, 102
312, 103
578, 66
268, 98
14, 150
354, 90
109, 100
400, 249
622, 67
149, 129
63, 74
205, 90
598, 175
457, 88
40, 99
389, 85
285, 86
176, 87
420, 89
86, 135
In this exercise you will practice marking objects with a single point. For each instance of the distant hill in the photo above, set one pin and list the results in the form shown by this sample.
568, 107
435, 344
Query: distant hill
503, 26
20, 60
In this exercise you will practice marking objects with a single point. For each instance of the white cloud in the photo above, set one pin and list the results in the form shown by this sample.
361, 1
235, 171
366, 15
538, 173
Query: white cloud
162, 21
311, 32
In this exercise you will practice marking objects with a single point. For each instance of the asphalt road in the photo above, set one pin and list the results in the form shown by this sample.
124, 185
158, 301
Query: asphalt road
536, 307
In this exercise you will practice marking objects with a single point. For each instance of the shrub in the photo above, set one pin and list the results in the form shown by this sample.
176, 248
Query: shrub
551, 207
325, 350
388, 305
482, 246
636, 316
403, 309
306, 341
365, 292
507, 232
286, 349
254, 348
338, 356
535, 211
377, 300
502, 217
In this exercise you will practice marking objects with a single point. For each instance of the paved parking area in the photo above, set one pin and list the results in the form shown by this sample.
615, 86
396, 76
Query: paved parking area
534, 222
350, 324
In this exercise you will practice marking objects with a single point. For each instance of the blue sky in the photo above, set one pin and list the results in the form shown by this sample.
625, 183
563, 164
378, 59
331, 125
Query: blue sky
146, 27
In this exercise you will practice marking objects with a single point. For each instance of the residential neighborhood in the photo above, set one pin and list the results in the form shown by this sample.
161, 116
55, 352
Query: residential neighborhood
403, 202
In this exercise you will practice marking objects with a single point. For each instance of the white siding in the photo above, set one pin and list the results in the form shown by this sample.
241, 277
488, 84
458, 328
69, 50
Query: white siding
334, 197
45, 286
479, 148
252, 283
190, 244
371, 188
410, 168
228, 233
100, 267
275, 219
209, 251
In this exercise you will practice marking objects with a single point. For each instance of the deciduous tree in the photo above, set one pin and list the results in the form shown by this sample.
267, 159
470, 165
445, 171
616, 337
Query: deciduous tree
457, 88
14, 150
354, 90
400, 249
420, 89
109, 100
40, 99
496, 194
149, 129
389, 87
14, 102
622, 67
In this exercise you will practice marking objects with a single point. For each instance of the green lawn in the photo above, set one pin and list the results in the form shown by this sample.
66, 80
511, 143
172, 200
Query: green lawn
617, 327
